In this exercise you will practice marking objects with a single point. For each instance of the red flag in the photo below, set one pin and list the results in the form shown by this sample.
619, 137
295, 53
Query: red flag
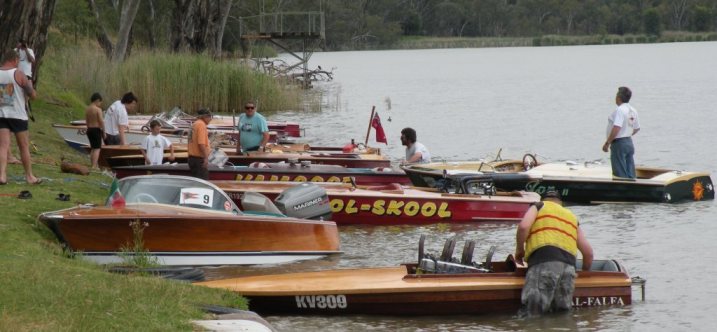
380, 134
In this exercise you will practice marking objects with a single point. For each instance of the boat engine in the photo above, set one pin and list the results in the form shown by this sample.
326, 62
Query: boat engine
447, 264
306, 200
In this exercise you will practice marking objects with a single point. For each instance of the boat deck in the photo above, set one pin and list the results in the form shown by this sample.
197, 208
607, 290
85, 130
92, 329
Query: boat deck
391, 280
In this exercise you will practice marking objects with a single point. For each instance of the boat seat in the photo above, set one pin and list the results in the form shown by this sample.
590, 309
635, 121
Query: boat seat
603, 265
253, 201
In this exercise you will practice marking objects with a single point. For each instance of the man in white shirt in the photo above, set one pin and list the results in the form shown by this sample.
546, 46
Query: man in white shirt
27, 58
623, 123
116, 120
415, 151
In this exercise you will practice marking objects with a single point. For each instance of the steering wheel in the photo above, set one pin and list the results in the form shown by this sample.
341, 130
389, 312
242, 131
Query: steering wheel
529, 161
140, 198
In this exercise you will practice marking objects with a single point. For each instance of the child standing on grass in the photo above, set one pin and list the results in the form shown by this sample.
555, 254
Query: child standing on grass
154, 145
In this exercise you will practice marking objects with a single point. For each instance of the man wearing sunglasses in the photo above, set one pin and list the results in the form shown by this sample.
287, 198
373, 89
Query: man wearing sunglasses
253, 130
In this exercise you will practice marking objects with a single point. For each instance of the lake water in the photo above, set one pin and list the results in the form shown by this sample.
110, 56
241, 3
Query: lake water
467, 104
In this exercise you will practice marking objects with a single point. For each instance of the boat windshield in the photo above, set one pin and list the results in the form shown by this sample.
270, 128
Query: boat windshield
176, 190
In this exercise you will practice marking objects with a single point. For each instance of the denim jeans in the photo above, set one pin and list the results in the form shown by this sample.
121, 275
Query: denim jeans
621, 158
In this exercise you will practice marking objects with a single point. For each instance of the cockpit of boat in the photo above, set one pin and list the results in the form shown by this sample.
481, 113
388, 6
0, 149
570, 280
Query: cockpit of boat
177, 191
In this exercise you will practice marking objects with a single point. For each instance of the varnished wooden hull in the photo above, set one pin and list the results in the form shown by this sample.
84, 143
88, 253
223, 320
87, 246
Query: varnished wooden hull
390, 206
175, 232
278, 172
345, 160
393, 291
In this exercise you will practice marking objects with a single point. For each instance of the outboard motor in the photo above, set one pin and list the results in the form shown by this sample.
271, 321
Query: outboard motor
306, 200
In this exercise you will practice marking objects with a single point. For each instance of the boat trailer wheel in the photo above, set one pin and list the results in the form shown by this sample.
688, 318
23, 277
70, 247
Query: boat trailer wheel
529, 161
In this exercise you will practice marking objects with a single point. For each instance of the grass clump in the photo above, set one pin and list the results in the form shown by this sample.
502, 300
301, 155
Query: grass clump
165, 80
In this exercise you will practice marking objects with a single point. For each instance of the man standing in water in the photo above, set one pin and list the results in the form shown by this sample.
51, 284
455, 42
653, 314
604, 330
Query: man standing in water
622, 124
549, 237
95, 125
253, 130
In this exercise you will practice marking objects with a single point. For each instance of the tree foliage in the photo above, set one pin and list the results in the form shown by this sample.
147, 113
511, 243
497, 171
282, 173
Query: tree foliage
212, 26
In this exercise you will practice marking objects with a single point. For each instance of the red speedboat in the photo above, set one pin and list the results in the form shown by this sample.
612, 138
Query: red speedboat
295, 172
472, 201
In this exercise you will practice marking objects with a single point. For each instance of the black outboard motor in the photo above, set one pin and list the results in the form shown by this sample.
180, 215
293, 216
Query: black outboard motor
306, 200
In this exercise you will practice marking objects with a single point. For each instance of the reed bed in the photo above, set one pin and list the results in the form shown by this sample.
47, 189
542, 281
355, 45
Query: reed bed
162, 81
547, 40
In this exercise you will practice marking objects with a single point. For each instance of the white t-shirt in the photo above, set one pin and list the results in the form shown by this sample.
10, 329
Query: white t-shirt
25, 65
154, 147
115, 115
625, 117
12, 97
418, 147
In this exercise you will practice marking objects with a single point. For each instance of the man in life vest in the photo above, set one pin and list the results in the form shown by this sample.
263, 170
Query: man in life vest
548, 238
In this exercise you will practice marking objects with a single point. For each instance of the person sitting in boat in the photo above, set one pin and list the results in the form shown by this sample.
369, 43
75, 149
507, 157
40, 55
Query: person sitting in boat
549, 237
253, 130
415, 151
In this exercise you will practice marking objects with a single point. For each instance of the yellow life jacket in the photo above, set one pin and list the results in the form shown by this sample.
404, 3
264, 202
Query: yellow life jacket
554, 226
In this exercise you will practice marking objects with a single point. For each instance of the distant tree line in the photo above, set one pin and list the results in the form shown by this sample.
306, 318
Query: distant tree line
213, 25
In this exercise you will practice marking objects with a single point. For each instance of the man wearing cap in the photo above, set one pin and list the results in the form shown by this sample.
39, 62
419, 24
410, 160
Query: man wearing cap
198, 145
549, 237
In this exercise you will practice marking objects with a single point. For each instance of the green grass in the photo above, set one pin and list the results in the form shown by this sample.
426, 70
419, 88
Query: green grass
45, 290
163, 80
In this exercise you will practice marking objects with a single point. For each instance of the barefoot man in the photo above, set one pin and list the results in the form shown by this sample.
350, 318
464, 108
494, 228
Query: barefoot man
95, 125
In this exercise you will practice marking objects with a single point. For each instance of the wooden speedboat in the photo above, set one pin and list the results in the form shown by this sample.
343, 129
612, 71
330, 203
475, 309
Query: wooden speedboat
394, 204
176, 119
590, 182
351, 160
189, 222
295, 172
434, 286
425, 175
76, 136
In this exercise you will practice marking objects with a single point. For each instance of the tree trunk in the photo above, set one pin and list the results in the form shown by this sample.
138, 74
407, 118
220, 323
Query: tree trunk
102, 37
152, 23
28, 20
129, 12
198, 25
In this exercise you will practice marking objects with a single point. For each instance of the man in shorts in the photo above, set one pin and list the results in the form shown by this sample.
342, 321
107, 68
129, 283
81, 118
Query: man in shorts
549, 237
95, 125
14, 89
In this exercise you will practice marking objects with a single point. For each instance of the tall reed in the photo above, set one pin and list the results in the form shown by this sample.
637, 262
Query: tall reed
164, 80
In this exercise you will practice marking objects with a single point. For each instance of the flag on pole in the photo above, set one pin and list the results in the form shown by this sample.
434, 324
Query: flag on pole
380, 134
115, 199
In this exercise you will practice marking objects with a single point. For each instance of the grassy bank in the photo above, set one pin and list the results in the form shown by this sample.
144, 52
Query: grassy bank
163, 80
414, 42
43, 289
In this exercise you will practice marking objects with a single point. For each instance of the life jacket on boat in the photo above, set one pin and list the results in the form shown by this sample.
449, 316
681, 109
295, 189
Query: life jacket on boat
554, 226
